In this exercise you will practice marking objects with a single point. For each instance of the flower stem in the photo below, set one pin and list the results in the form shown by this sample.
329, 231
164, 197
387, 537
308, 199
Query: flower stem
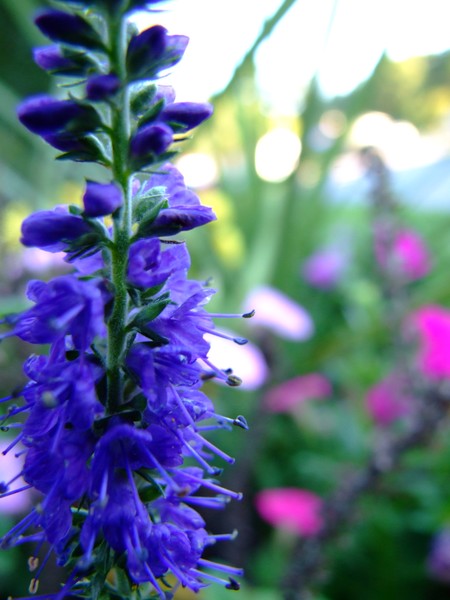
120, 125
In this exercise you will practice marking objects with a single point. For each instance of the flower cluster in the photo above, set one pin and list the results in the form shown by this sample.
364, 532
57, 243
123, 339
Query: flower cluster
113, 441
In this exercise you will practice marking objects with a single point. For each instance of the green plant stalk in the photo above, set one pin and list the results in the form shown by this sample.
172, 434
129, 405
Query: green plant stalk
120, 135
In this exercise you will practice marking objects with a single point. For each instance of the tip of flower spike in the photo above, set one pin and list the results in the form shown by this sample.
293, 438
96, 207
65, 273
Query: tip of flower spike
233, 381
249, 315
240, 341
241, 421
233, 585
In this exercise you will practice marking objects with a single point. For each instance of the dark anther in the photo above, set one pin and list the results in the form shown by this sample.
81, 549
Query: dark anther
240, 421
234, 381
249, 315
233, 585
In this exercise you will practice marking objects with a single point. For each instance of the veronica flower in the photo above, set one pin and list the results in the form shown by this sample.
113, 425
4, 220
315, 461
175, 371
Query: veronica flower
114, 406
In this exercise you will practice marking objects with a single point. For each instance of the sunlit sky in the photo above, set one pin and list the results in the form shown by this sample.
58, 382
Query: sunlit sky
340, 39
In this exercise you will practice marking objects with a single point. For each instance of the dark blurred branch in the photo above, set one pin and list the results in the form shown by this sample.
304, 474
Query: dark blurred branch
307, 562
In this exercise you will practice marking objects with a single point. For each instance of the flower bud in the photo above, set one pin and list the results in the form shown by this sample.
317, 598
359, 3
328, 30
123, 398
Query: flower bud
52, 230
69, 29
102, 87
45, 115
154, 50
101, 199
59, 61
183, 116
151, 140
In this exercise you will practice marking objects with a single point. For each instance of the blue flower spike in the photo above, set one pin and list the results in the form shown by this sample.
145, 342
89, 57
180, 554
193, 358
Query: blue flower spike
115, 442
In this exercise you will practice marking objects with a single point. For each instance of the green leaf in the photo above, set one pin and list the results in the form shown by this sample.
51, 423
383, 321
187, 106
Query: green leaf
149, 312
145, 205
142, 98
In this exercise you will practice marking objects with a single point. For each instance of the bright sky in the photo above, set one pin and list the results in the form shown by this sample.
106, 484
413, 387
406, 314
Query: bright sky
361, 30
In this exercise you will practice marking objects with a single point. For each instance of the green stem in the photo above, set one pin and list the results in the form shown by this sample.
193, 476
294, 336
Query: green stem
120, 125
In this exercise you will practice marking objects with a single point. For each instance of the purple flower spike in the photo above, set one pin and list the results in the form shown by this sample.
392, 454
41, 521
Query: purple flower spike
102, 87
183, 116
101, 199
44, 115
70, 29
151, 140
52, 230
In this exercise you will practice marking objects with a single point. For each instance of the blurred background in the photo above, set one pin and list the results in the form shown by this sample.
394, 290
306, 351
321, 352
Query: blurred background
327, 163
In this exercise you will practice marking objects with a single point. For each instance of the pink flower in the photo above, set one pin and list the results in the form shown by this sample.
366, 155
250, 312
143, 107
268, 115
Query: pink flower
293, 392
279, 313
324, 268
291, 509
409, 256
432, 324
386, 401
247, 362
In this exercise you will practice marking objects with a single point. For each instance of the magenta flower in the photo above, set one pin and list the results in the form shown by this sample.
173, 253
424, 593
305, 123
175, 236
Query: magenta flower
277, 312
290, 394
292, 509
408, 256
324, 268
432, 325
387, 401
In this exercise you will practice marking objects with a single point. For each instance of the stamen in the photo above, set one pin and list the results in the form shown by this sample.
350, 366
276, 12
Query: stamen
208, 564
223, 537
182, 407
231, 584
17, 529
226, 457
239, 421
6, 428
207, 502
212, 486
12, 444
12, 480
237, 340
22, 489
225, 375
247, 315
211, 470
